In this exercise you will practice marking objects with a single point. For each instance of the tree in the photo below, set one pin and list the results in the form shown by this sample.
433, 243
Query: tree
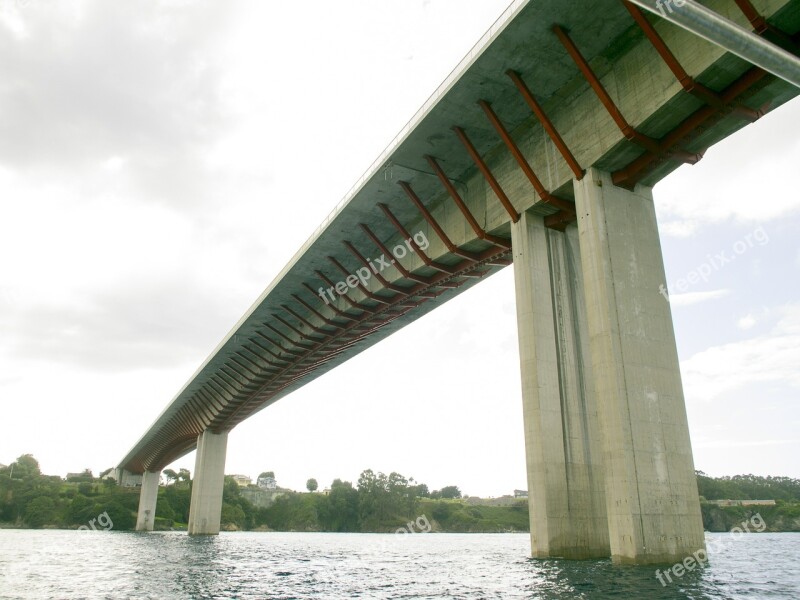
170, 475
450, 491
121, 518
40, 511
421, 490
267, 474
184, 475
340, 513
25, 466
311, 485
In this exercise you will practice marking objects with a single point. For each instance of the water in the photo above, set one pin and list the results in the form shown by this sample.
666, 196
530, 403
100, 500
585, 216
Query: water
165, 566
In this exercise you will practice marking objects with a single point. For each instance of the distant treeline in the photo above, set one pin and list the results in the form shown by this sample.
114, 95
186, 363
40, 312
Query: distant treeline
748, 487
377, 503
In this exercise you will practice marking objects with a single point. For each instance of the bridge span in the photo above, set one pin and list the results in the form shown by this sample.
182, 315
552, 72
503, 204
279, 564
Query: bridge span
539, 150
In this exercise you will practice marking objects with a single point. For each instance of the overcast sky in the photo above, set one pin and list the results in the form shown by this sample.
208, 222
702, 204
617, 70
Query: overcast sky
160, 162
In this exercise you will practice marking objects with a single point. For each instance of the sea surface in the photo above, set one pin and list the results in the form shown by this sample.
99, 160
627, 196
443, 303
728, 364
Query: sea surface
164, 566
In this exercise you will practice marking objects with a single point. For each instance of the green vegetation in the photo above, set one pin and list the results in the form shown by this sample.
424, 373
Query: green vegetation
748, 487
784, 516
377, 503
30, 499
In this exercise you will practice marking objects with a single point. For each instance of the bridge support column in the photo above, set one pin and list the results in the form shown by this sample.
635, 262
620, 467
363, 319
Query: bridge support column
127, 479
563, 448
148, 497
651, 490
205, 508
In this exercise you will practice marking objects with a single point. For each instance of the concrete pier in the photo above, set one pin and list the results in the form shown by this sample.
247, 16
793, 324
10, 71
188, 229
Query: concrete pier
651, 491
565, 473
148, 497
609, 460
205, 508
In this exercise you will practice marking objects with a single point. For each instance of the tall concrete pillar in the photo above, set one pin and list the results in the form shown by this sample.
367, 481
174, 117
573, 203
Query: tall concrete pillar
651, 490
205, 508
565, 474
148, 496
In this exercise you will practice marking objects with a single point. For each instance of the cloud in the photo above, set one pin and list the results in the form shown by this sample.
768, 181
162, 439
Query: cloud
743, 444
690, 298
751, 319
140, 325
712, 191
100, 83
747, 322
769, 358
679, 229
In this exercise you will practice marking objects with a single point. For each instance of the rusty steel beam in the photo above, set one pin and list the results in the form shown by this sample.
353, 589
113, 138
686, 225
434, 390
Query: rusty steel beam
270, 364
758, 22
426, 214
751, 81
364, 261
688, 83
313, 310
600, 91
303, 336
337, 312
448, 185
269, 339
386, 252
361, 286
249, 360
306, 322
414, 290
232, 365
547, 124
316, 329
404, 232
289, 351
523, 163
292, 341
223, 387
226, 371
348, 299
731, 37
213, 403
487, 173
763, 28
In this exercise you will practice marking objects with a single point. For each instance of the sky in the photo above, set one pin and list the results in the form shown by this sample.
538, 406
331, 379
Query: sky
160, 162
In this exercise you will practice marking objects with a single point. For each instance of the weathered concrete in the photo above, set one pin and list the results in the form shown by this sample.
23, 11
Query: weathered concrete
651, 490
565, 477
127, 479
148, 496
205, 508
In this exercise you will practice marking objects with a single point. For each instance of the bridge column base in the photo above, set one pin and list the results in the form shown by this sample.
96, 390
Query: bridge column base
205, 508
651, 490
563, 449
148, 496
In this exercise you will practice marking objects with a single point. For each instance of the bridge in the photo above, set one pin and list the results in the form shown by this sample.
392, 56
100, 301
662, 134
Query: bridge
539, 150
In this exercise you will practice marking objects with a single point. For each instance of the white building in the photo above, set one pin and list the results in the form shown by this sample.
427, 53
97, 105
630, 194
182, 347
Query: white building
267, 483
242, 480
